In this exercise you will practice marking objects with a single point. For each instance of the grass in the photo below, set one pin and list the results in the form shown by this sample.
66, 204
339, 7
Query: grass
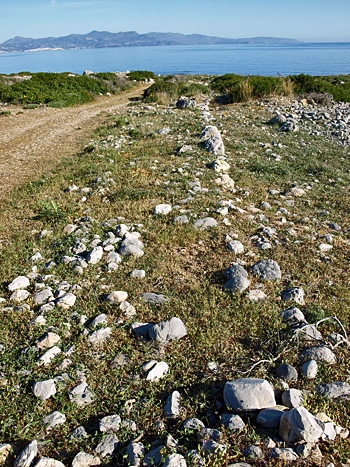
184, 264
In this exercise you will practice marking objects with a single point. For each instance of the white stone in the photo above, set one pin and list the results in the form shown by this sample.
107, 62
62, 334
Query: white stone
49, 355
324, 247
172, 406
162, 209
174, 460
48, 340
44, 389
108, 445
21, 282
116, 297
292, 398
53, 419
99, 336
165, 331
236, 247
19, 296
157, 372
66, 301
110, 423
299, 424
249, 394
48, 462
27, 455
95, 255
81, 394
82, 459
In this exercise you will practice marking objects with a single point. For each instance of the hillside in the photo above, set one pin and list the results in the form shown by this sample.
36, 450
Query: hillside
101, 39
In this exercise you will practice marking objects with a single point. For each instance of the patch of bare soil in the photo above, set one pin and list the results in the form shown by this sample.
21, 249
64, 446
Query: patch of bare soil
33, 141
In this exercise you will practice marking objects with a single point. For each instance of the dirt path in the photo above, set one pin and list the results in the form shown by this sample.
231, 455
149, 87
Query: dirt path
33, 141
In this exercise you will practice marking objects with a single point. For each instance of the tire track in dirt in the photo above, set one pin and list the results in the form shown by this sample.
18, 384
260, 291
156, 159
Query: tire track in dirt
34, 141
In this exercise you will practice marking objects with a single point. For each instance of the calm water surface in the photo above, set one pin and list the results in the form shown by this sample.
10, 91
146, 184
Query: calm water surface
247, 59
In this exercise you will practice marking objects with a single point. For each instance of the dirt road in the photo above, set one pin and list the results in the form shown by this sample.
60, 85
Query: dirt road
34, 141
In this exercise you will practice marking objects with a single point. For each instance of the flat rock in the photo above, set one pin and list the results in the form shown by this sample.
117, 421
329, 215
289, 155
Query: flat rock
83, 459
138, 274
20, 282
153, 457
110, 423
100, 336
81, 394
295, 294
299, 425
166, 331
54, 419
205, 223
19, 296
162, 209
49, 339
66, 301
320, 353
338, 390
181, 220
153, 298
157, 371
49, 355
249, 394
108, 445
293, 315
267, 269
27, 455
43, 296
44, 389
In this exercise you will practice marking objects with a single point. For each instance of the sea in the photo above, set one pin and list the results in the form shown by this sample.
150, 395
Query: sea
243, 59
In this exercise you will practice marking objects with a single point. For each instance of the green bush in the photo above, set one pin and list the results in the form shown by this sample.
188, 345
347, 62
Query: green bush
141, 75
60, 89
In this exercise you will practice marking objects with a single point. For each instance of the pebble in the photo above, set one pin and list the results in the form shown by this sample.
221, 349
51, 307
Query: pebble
81, 394
162, 209
295, 294
172, 406
48, 340
156, 370
205, 223
66, 301
287, 372
100, 336
49, 355
138, 274
309, 369
83, 459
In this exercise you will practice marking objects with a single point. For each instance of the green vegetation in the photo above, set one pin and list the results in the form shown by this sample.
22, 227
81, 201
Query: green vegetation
140, 75
59, 89
181, 262
167, 88
239, 88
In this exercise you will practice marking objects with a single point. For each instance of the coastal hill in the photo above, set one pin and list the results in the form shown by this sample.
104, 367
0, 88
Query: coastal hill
101, 39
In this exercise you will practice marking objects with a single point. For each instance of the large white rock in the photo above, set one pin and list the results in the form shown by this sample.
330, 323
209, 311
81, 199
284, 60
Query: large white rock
175, 460
53, 419
48, 340
249, 394
158, 371
299, 424
21, 282
49, 355
116, 297
66, 301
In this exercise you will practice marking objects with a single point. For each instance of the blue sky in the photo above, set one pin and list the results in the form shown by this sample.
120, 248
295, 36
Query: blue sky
307, 20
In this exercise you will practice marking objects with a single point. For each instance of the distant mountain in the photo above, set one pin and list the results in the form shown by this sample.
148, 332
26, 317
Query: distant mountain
101, 39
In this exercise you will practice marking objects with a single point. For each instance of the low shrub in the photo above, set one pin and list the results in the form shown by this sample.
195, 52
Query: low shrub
141, 75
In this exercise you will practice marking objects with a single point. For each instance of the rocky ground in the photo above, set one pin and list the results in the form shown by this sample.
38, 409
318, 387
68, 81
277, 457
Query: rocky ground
184, 299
